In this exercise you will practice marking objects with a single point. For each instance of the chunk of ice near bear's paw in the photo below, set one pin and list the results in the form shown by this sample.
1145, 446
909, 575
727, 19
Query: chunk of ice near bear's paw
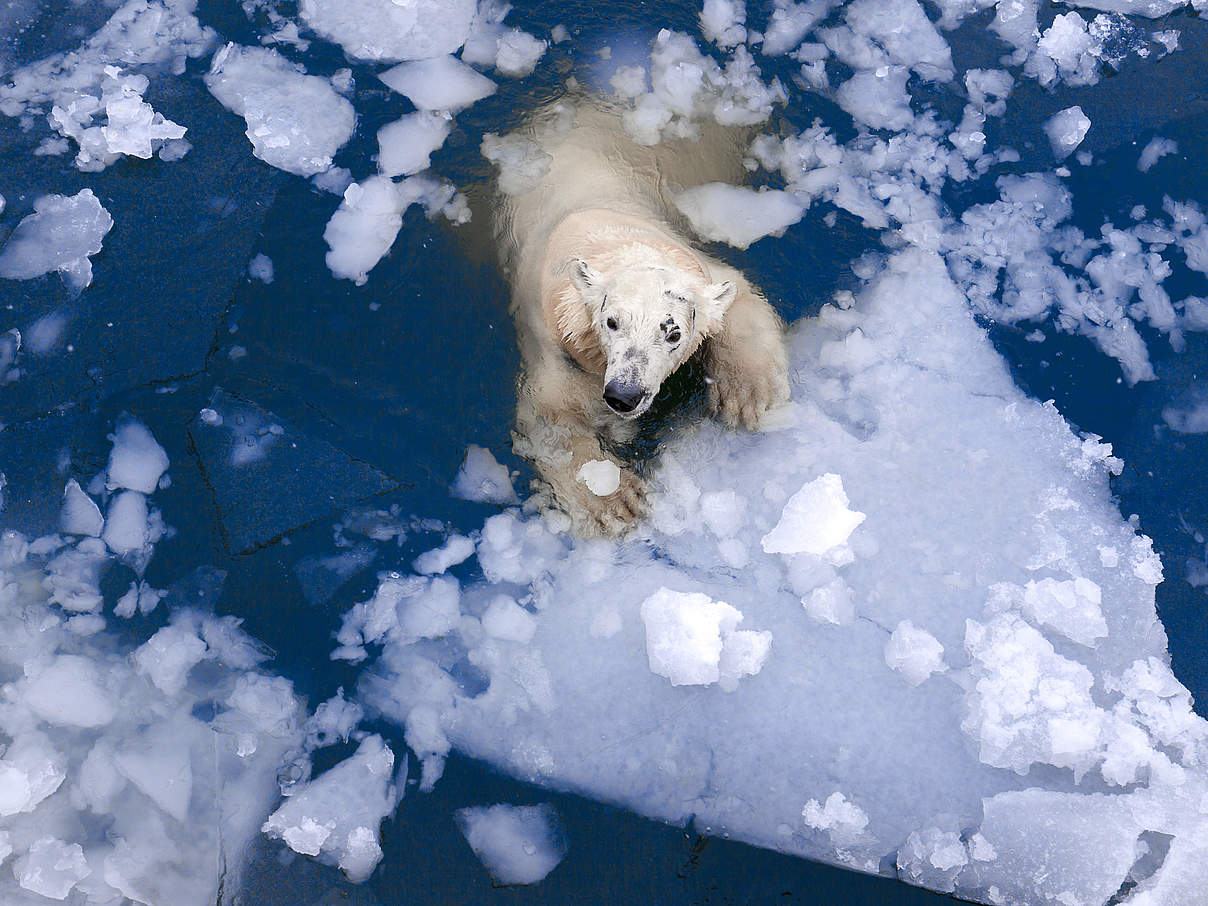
601, 476
694, 641
815, 520
518, 844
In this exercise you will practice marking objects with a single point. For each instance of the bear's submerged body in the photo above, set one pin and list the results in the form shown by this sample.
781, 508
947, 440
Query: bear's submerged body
610, 298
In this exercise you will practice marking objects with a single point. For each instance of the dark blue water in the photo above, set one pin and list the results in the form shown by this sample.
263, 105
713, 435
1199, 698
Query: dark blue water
380, 389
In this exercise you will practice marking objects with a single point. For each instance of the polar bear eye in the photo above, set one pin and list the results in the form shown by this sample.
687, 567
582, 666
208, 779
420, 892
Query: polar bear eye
673, 335
612, 323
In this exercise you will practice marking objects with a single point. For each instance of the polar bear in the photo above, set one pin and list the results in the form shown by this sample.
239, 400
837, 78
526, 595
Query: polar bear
610, 298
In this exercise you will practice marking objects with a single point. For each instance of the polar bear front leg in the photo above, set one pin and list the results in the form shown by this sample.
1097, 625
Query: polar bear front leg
559, 444
746, 362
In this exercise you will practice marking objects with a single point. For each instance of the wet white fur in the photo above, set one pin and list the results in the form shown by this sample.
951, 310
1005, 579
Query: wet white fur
597, 239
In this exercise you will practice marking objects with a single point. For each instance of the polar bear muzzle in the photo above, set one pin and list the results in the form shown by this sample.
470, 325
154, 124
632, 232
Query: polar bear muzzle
623, 397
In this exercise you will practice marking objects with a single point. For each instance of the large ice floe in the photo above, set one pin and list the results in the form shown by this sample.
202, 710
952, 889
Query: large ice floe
947, 638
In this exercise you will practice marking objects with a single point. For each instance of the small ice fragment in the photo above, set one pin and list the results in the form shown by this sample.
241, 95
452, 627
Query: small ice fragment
457, 549
1066, 130
815, 520
521, 163
261, 268
443, 83
390, 30
483, 479
517, 844
1154, 151
914, 652
601, 476
126, 527
136, 461
61, 235
738, 215
80, 514
295, 122
406, 145
518, 53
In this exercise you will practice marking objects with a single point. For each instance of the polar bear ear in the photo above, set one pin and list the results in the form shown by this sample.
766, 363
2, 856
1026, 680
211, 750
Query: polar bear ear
715, 300
587, 280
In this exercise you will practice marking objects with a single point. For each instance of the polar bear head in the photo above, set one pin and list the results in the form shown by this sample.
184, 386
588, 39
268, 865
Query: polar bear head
644, 320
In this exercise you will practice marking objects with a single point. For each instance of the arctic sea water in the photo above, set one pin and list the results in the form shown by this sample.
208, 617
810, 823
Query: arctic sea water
233, 388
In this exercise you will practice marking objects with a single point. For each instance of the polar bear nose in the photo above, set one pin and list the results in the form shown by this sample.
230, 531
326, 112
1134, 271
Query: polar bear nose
623, 397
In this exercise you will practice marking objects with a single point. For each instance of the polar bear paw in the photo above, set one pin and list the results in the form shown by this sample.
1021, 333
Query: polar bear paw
740, 399
614, 514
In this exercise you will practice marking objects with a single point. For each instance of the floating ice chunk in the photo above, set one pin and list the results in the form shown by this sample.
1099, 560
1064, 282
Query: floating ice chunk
336, 816
738, 215
521, 163
519, 844
61, 235
391, 30
507, 620
602, 476
878, 98
140, 598
1066, 130
1071, 607
483, 479
363, 228
126, 528
519, 53
80, 514
51, 867
815, 520
406, 145
629, 81
295, 122
1157, 148
133, 126
69, 692
914, 652
457, 549
790, 22
174, 149
444, 83
1190, 418
261, 268
723, 21
1072, 50
559, 34
842, 819
168, 656
900, 33
136, 461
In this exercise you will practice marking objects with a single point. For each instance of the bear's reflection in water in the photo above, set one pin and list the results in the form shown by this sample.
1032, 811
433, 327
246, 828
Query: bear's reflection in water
624, 327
